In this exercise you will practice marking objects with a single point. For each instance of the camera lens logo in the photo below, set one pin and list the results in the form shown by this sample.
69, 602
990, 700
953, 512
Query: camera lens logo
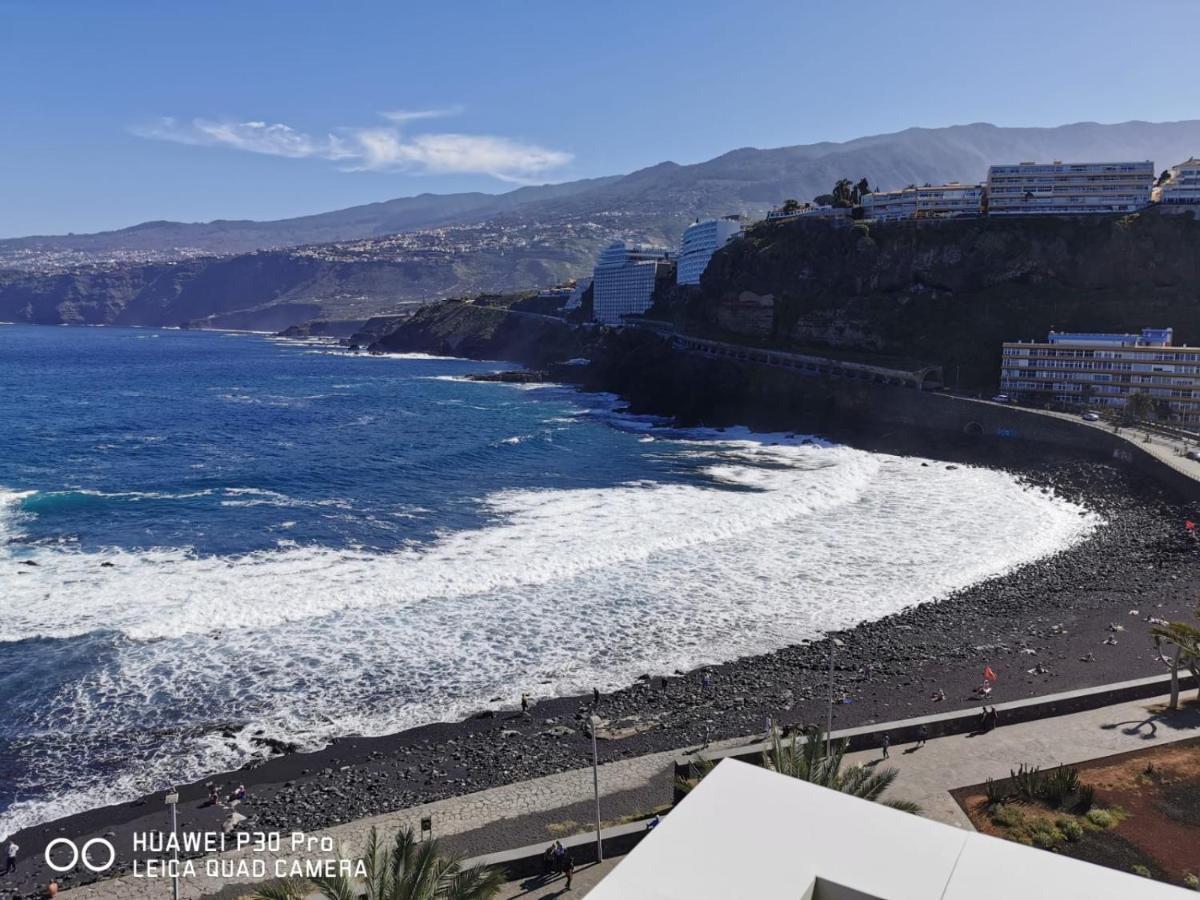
80, 854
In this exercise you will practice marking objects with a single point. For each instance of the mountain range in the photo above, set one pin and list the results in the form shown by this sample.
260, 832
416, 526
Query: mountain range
378, 257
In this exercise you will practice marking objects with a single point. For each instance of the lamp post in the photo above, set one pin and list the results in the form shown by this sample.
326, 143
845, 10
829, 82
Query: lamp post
596, 789
172, 800
834, 643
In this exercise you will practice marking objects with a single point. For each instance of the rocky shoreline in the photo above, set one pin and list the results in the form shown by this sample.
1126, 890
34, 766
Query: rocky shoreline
1078, 618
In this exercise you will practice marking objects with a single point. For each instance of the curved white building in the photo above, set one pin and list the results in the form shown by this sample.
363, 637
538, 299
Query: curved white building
700, 242
623, 280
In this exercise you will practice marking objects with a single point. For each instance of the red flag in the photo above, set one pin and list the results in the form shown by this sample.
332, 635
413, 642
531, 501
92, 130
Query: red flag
988, 674
1189, 525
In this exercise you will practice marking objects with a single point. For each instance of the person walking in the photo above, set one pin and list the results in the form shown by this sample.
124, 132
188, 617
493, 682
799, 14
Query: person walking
922, 734
10, 858
524, 704
568, 870
595, 696
885, 742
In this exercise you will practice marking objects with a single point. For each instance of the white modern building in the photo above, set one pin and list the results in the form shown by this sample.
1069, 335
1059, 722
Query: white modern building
745, 832
930, 201
700, 241
1183, 186
1068, 189
624, 278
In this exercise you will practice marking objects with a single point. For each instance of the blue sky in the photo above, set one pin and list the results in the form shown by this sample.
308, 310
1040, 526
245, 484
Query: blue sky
117, 113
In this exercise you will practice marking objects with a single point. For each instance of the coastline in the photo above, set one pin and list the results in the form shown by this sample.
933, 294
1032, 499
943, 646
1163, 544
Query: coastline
1062, 606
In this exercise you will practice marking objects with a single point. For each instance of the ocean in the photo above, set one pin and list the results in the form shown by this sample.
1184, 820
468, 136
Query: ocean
204, 536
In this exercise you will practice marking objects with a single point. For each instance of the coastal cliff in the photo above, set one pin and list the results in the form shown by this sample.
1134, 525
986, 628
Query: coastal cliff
947, 293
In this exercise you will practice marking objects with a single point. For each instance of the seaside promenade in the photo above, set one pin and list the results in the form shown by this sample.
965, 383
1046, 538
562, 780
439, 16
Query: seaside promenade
926, 776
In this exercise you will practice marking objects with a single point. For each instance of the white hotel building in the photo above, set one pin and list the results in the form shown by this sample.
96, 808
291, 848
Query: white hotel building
1183, 187
700, 241
623, 280
1067, 189
931, 201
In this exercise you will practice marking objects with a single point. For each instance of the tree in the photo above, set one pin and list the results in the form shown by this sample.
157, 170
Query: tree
1139, 406
808, 761
408, 869
843, 193
1162, 410
1185, 639
861, 190
791, 205
823, 200
1164, 177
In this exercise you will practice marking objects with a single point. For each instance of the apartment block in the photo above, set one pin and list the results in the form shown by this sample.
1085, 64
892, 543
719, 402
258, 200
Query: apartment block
930, 201
1182, 187
1105, 370
1060, 188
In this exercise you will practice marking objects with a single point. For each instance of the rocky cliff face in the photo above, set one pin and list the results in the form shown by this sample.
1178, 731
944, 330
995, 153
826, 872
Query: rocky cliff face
948, 292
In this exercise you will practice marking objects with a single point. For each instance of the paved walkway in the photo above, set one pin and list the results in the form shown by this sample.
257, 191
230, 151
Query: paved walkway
586, 878
454, 815
928, 774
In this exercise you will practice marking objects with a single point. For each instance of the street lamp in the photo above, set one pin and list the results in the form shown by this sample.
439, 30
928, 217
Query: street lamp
172, 800
834, 643
596, 789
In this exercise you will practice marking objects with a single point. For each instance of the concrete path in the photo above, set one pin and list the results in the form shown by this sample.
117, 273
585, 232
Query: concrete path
929, 773
451, 816
586, 878
926, 776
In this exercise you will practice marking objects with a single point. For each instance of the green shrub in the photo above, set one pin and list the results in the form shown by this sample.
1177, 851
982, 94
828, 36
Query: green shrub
1007, 817
1101, 818
1045, 835
1191, 881
1141, 870
1070, 829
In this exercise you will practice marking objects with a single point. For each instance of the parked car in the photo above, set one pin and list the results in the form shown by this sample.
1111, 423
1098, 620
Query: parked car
1090, 417
1194, 454
1001, 398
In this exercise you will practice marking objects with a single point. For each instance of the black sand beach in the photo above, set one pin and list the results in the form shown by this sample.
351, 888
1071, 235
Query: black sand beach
1082, 615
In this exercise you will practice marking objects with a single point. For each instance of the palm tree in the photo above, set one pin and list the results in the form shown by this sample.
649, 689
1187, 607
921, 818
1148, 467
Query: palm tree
1185, 639
408, 869
808, 761
842, 192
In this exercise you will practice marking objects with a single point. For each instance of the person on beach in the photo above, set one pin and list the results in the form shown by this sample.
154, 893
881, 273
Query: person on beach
560, 855
548, 862
568, 870
706, 680
10, 858
595, 696
885, 742
922, 734
524, 704
214, 796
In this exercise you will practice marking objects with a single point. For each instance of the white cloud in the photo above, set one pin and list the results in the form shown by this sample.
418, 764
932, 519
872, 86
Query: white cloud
380, 149
401, 116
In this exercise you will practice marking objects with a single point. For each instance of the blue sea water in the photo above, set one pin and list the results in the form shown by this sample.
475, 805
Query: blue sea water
200, 528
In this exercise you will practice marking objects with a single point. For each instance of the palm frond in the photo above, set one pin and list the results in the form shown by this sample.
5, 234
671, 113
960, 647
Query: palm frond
289, 889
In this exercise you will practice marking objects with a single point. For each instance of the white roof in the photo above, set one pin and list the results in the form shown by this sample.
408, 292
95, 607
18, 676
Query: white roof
748, 832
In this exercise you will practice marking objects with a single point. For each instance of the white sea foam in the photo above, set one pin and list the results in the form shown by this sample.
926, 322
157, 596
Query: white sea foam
560, 591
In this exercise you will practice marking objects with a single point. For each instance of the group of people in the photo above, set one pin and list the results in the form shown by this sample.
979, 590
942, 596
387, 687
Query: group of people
885, 740
235, 797
557, 861
988, 719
